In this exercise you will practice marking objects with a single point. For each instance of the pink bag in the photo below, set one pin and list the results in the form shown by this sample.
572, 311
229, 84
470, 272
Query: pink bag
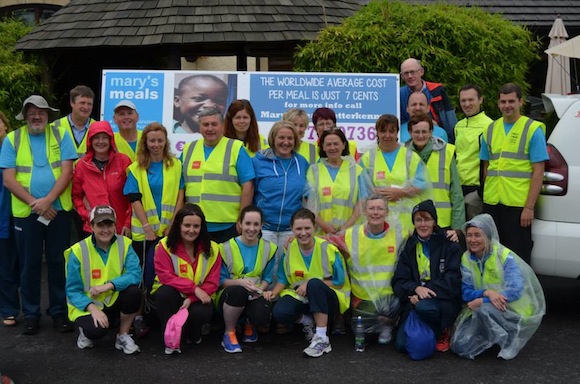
175, 323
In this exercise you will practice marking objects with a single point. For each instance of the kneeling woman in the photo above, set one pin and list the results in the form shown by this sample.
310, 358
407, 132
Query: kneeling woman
188, 266
103, 274
428, 278
312, 284
246, 272
505, 301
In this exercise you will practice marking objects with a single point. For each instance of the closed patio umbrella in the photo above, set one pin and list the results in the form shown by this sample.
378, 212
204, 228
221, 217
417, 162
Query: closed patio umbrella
558, 76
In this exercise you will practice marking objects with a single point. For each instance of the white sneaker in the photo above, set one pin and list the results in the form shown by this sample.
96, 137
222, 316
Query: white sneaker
318, 346
386, 335
126, 344
84, 342
171, 351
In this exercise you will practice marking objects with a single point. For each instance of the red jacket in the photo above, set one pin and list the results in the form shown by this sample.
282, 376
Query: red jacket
166, 272
92, 187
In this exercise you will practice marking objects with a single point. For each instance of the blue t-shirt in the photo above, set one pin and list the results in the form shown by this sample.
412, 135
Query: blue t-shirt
133, 145
437, 132
245, 171
537, 150
249, 254
155, 180
42, 179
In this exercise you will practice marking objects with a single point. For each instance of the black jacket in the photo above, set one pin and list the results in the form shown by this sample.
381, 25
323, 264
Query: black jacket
445, 257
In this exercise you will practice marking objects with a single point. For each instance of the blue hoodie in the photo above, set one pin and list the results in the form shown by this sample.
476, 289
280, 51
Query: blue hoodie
278, 191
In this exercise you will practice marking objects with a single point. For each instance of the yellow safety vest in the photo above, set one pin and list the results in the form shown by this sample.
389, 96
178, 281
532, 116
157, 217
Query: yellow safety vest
467, 144
323, 258
94, 272
423, 263
439, 168
492, 277
509, 173
124, 147
82, 147
185, 270
309, 151
337, 199
372, 262
213, 182
262, 144
233, 260
171, 176
404, 169
25, 160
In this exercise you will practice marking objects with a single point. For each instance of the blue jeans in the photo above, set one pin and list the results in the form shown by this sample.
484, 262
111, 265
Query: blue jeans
9, 277
32, 237
428, 310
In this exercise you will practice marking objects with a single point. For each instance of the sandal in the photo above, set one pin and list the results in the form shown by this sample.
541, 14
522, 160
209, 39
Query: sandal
9, 321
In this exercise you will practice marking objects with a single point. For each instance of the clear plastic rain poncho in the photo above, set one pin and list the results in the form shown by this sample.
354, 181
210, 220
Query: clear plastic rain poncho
336, 201
505, 272
371, 265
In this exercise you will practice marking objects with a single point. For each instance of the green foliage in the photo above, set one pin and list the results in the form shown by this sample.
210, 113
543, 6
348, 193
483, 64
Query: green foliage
19, 74
456, 45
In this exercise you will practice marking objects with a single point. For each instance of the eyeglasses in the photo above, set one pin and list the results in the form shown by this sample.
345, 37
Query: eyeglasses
38, 113
410, 73
420, 220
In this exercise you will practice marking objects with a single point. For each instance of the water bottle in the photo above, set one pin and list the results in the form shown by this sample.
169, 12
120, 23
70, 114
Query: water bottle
359, 335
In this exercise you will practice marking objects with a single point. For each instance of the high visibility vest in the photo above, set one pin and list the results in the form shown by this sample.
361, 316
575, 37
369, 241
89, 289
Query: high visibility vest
492, 277
509, 173
337, 199
94, 272
439, 168
404, 170
262, 144
423, 263
24, 163
467, 143
171, 176
233, 260
323, 258
372, 262
213, 182
80, 148
309, 151
124, 147
185, 270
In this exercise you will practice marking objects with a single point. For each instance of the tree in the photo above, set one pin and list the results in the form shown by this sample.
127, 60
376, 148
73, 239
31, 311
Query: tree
19, 75
457, 45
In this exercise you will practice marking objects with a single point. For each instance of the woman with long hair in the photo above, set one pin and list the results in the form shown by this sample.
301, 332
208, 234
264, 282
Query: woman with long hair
155, 188
187, 267
240, 123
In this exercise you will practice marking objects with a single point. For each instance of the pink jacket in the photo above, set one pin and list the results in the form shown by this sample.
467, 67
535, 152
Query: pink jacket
167, 276
92, 187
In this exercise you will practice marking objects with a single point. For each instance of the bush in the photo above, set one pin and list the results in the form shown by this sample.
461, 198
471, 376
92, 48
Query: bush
457, 45
19, 75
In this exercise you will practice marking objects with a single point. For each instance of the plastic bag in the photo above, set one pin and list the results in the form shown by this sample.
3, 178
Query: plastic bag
420, 338
172, 334
378, 313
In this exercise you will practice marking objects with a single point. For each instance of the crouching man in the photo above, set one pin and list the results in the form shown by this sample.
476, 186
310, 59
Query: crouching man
103, 276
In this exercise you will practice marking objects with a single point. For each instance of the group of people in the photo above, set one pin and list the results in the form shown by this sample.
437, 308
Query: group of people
257, 228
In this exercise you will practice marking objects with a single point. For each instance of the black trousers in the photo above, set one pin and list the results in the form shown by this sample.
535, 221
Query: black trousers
511, 233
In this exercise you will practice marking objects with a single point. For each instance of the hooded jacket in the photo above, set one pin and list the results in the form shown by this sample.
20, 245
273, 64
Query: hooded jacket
279, 192
92, 187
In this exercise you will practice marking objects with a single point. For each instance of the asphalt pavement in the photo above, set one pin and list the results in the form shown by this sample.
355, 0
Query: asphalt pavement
552, 356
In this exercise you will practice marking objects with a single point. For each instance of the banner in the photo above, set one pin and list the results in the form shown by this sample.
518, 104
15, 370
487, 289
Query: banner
173, 98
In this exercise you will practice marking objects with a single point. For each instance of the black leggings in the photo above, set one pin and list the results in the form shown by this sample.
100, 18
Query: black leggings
127, 303
168, 300
258, 311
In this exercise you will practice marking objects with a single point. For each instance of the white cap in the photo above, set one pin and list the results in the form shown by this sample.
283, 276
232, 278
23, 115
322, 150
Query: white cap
125, 103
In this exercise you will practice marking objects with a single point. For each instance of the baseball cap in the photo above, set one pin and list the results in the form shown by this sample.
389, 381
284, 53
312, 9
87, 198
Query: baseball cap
125, 103
102, 213
36, 100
